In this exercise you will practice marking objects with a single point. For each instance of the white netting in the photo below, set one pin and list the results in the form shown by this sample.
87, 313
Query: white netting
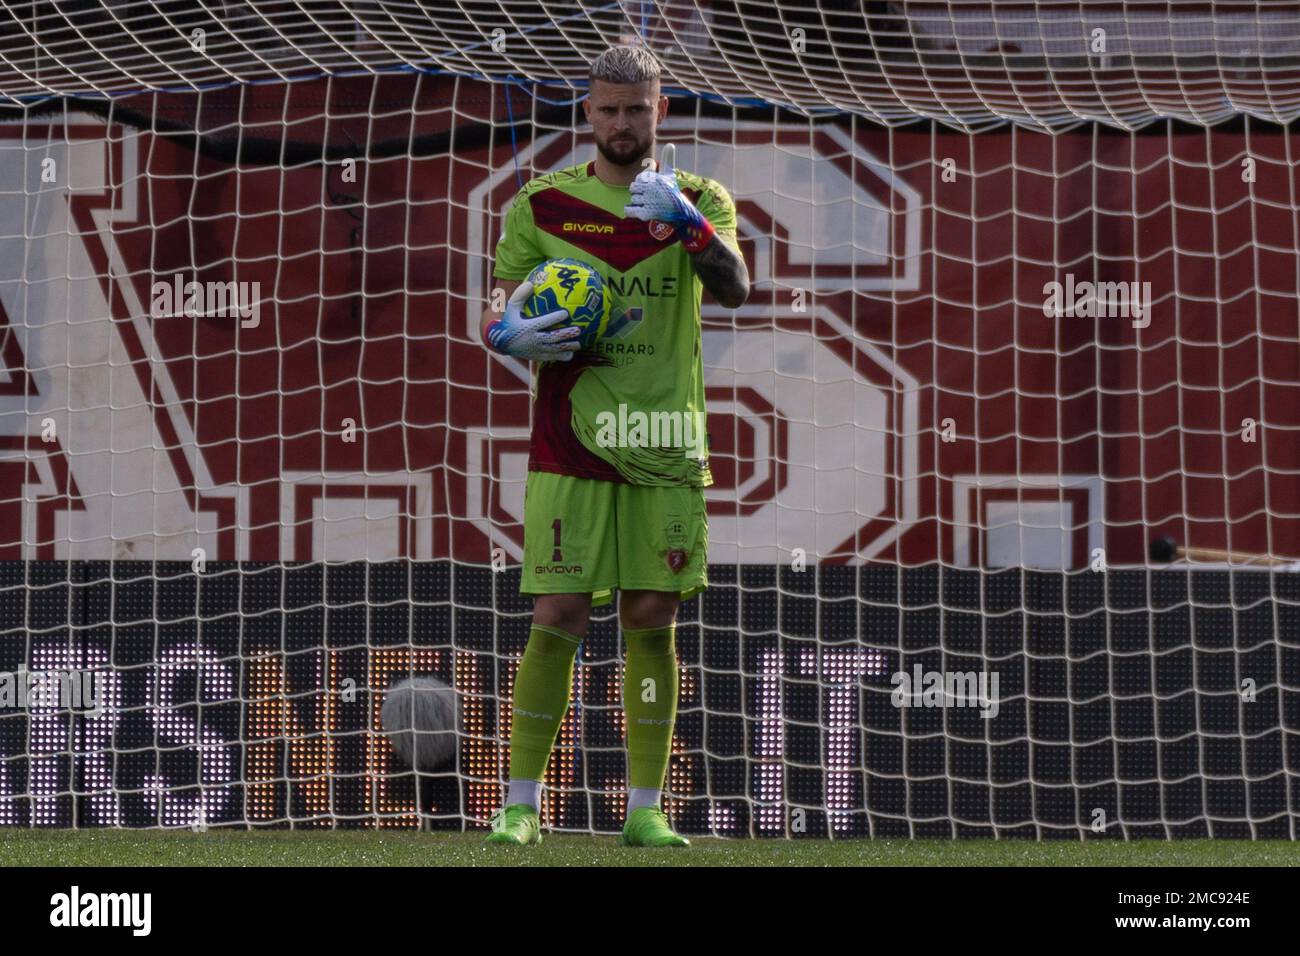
969, 62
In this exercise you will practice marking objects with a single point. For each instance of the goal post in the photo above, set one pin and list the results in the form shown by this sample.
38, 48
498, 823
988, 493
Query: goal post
1004, 535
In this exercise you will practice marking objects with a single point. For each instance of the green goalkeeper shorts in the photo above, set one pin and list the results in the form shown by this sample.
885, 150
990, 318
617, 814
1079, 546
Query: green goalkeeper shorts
582, 535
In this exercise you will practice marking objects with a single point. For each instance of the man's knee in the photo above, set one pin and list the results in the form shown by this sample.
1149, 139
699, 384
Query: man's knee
568, 612
642, 609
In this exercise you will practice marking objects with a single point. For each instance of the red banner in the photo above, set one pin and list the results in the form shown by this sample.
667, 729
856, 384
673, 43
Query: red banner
905, 384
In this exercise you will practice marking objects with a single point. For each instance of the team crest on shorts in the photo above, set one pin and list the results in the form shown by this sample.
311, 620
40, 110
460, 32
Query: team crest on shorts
677, 559
660, 230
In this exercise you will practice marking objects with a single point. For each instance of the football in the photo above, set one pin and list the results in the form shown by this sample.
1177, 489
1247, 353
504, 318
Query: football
575, 286
419, 718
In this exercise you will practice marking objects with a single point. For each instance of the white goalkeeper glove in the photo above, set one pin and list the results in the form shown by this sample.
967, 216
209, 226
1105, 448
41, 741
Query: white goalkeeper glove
519, 336
655, 195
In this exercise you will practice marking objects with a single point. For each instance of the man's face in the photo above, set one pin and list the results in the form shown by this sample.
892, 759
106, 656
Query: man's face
624, 117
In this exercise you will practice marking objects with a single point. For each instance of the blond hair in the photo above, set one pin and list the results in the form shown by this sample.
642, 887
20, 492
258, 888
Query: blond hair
625, 64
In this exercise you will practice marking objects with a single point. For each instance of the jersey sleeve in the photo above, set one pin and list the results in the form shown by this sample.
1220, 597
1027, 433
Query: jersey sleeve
717, 206
517, 252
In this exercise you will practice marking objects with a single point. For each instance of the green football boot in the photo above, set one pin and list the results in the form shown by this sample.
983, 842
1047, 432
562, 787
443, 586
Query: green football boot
648, 826
517, 825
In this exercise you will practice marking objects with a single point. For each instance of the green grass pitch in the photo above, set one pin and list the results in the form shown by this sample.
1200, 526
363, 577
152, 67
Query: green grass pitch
400, 848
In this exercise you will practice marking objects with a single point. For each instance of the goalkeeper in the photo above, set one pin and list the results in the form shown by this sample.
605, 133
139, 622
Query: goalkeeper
606, 508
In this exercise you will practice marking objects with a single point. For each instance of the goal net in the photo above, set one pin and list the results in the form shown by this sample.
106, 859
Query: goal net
1004, 531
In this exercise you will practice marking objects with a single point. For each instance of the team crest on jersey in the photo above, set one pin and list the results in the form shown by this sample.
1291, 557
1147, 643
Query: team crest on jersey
660, 230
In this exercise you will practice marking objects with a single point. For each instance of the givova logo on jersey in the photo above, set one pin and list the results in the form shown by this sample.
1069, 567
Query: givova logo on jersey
595, 228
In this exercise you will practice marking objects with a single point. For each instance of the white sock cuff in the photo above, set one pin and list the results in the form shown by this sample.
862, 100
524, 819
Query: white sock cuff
639, 797
525, 791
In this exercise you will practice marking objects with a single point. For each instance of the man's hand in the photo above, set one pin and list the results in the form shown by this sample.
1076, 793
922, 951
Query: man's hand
516, 335
722, 270
655, 195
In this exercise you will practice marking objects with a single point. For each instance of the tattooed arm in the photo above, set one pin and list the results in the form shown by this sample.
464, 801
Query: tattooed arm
723, 272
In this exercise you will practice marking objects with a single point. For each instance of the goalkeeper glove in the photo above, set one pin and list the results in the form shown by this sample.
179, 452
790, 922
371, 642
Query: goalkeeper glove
655, 196
520, 336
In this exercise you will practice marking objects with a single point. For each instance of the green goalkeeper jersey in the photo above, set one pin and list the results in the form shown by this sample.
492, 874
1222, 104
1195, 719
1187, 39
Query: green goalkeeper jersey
631, 408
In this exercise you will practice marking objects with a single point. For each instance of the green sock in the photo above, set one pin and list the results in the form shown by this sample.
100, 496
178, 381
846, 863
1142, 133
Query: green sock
650, 702
541, 697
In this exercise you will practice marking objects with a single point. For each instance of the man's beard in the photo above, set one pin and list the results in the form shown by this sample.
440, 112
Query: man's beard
628, 152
